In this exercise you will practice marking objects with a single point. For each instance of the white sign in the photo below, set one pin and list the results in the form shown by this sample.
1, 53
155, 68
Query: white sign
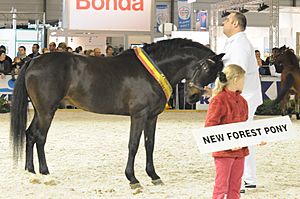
228, 136
7, 85
108, 15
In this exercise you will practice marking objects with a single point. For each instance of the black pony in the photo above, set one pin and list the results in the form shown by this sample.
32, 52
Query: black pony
114, 85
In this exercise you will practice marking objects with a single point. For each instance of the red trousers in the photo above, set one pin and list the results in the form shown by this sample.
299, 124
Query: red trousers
229, 172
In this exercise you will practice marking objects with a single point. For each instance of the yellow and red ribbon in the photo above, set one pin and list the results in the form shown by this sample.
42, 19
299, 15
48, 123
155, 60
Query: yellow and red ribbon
154, 71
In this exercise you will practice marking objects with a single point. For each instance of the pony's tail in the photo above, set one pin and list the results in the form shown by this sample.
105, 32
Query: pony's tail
18, 118
285, 88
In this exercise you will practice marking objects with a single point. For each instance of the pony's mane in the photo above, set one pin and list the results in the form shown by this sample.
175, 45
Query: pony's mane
292, 57
166, 46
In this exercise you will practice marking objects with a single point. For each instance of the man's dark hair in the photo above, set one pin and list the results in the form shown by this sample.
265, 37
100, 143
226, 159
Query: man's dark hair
241, 20
1, 52
38, 46
78, 49
108, 47
23, 47
53, 43
257, 51
2, 47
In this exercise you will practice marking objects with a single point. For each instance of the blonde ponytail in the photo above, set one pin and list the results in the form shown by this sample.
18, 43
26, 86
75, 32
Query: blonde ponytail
228, 74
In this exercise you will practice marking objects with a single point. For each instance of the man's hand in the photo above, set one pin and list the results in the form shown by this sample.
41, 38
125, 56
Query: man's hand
2, 75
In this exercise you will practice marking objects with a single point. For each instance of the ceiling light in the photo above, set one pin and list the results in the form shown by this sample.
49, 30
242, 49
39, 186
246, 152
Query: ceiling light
262, 7
243, 10
225, 13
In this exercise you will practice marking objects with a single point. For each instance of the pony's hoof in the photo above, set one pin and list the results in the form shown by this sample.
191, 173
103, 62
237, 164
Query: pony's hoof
136, 186
157, 182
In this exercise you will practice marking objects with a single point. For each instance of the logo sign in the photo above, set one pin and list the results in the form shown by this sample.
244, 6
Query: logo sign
184, 15
162, 14
228, 136
201, 20
108, 15
6, 85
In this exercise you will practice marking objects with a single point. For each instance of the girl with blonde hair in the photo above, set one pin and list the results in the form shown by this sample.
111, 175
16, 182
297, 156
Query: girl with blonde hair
228, 106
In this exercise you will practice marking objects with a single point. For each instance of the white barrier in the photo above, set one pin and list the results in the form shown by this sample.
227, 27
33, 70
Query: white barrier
6, 85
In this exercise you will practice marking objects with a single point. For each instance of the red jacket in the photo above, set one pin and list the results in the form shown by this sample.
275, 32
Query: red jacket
227, 107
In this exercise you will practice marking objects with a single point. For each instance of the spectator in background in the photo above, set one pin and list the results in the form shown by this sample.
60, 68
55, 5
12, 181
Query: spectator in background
35, 51
121, 49
52, 47
89, 52
17, 65
5, 65
22, 53
3, 48
69, 49
270, 59
109, 51
45, 50
260, 62
62, 47
78, 50
97, 52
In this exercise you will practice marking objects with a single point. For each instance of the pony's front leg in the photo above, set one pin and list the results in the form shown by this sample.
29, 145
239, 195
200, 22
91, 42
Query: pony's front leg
136, 127
285, 105
149, 136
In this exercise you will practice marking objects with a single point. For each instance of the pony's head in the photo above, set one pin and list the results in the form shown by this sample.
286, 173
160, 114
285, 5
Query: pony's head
202, 74
286, 56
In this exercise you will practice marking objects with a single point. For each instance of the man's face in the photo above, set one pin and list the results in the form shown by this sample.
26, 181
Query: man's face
2, 57
97, 52
228, 25
35, 49
21, 51
257, 54
52, 47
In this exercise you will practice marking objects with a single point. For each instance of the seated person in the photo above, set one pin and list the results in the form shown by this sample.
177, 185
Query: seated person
17, 65
270, 59
260, 62
5, 65
263, 69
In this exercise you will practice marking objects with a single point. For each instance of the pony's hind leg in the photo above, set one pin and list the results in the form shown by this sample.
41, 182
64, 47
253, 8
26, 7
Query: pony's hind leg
43, 124
30, 141
37, 134
149, 137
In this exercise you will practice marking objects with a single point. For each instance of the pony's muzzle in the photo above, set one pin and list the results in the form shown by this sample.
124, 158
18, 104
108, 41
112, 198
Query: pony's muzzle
194, 93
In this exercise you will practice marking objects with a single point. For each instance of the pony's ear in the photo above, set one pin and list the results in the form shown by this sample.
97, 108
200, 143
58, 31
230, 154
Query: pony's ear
218, 57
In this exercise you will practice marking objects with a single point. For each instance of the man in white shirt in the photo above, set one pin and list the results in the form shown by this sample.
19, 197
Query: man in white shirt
239, 51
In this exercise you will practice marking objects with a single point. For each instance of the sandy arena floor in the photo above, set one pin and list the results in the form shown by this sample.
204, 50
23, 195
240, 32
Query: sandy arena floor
87, 155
